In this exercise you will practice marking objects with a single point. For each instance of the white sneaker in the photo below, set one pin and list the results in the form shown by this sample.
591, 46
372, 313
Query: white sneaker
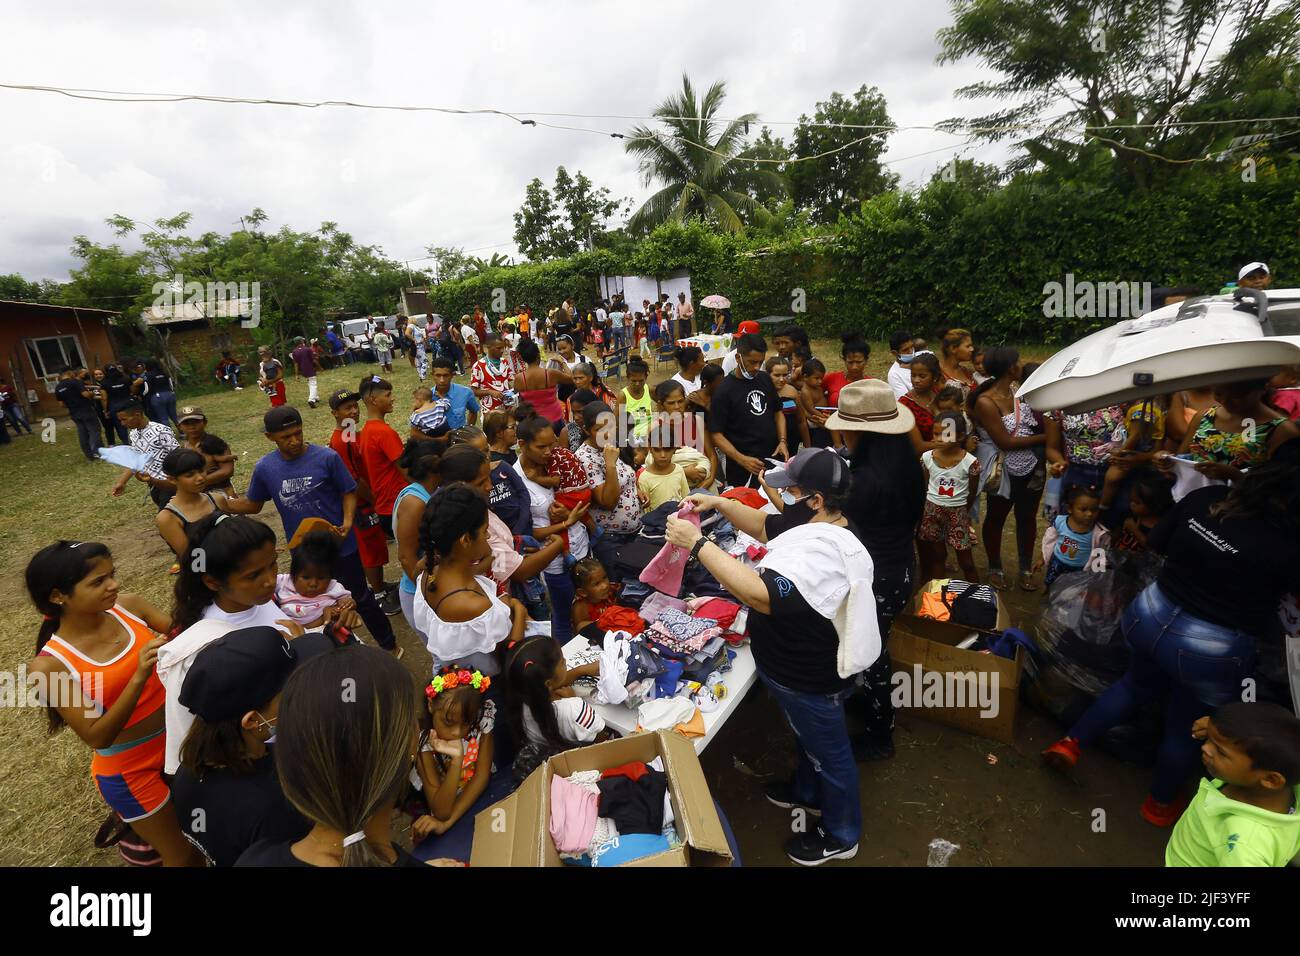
239, 388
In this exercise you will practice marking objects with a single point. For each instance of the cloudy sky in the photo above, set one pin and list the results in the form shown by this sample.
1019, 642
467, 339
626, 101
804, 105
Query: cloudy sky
405, 180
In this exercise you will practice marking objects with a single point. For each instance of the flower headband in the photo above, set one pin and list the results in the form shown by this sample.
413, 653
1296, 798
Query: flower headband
454, 678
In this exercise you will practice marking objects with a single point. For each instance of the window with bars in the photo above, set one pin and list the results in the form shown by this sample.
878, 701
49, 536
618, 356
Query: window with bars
50, 356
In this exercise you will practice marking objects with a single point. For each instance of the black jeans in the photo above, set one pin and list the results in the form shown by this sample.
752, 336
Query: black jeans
88, 434
352, 576
893, 589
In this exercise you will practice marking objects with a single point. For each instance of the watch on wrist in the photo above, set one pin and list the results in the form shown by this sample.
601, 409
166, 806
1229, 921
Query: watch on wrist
695, 551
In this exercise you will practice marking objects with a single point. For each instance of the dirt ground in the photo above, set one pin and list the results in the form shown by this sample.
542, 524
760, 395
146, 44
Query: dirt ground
997, 802
941, 783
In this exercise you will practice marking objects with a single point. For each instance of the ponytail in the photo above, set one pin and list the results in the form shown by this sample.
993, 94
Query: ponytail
58, 567
528, 667
998, 363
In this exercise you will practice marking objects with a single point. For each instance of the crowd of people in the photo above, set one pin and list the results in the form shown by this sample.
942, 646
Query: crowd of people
514, 502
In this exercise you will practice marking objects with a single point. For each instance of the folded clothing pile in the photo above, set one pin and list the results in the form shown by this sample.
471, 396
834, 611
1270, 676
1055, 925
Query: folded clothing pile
604, 818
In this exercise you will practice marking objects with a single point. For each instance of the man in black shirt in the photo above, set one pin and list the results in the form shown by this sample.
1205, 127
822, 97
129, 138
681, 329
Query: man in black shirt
745, 418
79, 397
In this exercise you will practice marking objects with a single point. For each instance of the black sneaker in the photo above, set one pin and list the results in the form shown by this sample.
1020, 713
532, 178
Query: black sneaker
872, 747
817, 847
781, 794
390, 602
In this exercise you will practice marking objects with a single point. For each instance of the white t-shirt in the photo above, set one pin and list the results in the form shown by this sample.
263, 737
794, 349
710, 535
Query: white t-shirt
687, 385
948, 487
468, 335
578, 721
900, 379
602, 316
262, 615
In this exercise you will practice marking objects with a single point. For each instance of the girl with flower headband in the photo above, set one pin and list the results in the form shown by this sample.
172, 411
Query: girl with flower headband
454, 761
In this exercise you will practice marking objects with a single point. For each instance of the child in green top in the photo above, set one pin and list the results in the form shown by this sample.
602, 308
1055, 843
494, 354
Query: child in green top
1247, 815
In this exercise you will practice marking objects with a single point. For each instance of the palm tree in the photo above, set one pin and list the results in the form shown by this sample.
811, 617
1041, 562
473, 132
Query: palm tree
699, 161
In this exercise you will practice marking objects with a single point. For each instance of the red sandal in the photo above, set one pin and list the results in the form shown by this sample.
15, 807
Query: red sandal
1162, 814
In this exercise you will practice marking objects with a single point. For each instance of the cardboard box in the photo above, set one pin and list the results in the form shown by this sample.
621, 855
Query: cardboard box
953, 686
516, 831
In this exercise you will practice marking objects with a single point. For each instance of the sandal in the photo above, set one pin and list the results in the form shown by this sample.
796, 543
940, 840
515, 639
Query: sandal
998, 579
1027, 581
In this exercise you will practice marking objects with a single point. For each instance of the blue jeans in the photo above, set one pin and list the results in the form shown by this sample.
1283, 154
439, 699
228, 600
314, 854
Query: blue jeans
162, 407
1198, 664
559, 587
18, 418
826, 776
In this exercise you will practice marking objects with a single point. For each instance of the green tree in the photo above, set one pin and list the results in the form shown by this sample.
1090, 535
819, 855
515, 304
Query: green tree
1133, 69
17, 289
698, 159
837, 184
539, 232
449, 263
586, 208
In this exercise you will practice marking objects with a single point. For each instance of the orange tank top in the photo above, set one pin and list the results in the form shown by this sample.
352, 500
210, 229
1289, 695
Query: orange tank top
104, 681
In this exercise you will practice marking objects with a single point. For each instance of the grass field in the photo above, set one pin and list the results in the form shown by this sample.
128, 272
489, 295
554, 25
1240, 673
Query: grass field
49, 808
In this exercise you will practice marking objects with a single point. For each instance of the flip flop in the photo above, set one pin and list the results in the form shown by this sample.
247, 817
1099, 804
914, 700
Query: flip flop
998, 579
1027, 582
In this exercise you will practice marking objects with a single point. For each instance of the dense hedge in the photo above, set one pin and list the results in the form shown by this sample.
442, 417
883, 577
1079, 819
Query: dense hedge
950, 254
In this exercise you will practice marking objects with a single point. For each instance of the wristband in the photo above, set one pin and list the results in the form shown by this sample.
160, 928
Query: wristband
695, 551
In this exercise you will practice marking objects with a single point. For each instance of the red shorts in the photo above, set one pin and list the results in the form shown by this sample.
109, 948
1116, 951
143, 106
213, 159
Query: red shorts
372, 545
278, 398
129, 777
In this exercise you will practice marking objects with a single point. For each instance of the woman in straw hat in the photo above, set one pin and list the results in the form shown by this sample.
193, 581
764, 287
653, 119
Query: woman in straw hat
886, 504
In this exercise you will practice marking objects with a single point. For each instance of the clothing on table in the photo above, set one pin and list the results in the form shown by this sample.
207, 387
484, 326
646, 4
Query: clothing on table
1090, 437
1232, 448
309, 486
1231, 572
239, 809
381, 448
471, 642
664, 713
721, 610
298, 607
658, 489
1216, 830
487, 722
577, 720
666, 569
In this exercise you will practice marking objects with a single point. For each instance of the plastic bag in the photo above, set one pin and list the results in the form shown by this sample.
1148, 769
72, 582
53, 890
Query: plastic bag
1081, 649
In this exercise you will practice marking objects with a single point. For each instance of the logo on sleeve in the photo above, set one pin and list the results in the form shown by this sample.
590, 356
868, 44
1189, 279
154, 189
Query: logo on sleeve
783, 586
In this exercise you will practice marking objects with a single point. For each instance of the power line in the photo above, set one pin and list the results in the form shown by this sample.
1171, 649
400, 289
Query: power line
127, 96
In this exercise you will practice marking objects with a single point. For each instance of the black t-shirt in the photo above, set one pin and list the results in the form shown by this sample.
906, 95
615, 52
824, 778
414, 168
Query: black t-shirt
745, 410
69, 392
793, 644
158, 382
1230, 572
119, 393
273, 853
238, 810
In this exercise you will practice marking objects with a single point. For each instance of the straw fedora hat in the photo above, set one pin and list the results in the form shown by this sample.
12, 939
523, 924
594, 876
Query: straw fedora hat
868, 405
